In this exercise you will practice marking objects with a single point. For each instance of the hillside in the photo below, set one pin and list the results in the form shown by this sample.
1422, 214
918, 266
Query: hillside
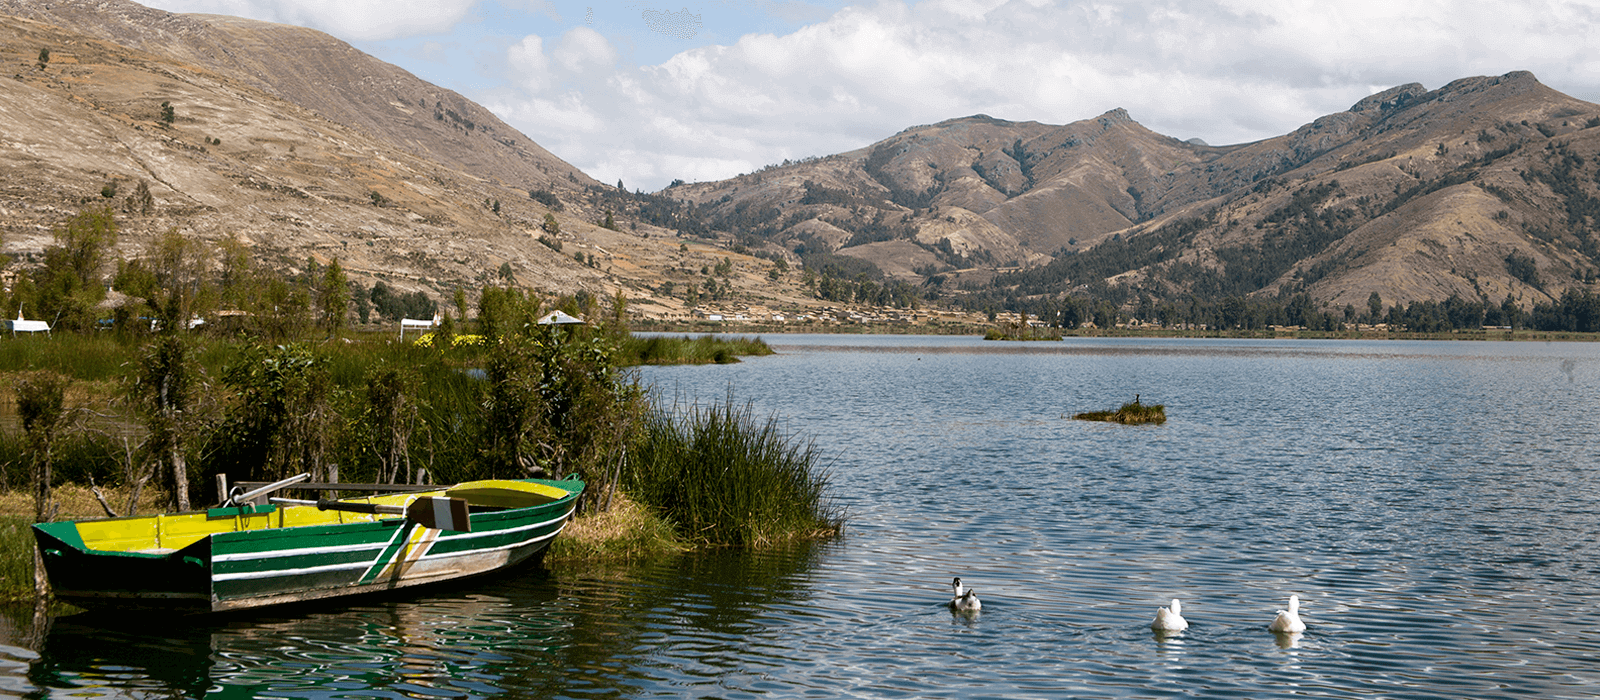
303, 148
300, 147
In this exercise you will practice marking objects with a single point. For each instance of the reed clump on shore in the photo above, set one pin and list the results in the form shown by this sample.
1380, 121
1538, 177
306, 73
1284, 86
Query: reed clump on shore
724, 478
1131, 413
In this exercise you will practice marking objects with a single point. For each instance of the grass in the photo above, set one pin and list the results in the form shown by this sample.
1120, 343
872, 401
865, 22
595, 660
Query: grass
1129, 414
627, 531
724, 479
686, 350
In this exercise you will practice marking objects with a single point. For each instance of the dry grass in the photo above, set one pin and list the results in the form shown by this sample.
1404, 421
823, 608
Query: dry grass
78, 503
627, 531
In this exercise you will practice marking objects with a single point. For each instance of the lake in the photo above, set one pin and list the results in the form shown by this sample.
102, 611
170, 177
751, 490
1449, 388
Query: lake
1434, 505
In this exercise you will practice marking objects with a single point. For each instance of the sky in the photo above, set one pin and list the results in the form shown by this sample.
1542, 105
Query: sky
645, 93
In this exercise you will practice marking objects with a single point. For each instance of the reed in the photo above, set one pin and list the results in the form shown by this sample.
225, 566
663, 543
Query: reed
687, 350
92, 357
16, 559
723, 478
1132, 413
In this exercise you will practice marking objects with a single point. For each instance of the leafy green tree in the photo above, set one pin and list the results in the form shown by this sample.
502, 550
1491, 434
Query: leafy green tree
69, 284
551, 226
280, 422
168, 114
333, 298
461, 304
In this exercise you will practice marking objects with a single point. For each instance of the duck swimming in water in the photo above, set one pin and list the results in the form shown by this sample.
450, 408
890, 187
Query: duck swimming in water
964, 599
1288, 621
1170, 619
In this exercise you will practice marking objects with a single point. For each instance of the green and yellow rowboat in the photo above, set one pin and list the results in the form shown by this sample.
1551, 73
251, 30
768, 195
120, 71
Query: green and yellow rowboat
252, 555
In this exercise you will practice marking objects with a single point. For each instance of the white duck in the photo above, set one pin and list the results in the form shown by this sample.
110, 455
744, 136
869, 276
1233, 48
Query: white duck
1288, 621
1170, 619
964, 599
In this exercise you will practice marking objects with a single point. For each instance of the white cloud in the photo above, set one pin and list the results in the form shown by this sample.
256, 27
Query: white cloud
584, 49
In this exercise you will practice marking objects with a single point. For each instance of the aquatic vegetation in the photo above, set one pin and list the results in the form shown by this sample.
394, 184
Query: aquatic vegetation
723, 478
684, 350
1131, 413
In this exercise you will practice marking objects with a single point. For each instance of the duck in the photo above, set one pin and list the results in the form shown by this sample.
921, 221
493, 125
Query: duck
964, 599
1170, 619
1288, 621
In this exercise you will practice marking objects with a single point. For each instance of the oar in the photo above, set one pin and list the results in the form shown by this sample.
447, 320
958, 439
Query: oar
436, 512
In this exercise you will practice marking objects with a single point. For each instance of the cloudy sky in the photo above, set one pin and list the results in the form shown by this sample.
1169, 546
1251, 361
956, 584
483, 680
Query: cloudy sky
647, 92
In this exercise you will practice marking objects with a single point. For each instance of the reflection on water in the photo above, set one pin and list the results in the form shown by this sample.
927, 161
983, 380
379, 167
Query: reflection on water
1432, 504
595, 632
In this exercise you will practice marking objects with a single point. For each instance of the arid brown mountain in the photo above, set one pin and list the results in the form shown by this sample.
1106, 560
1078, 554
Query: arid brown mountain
1412, 194
300, 146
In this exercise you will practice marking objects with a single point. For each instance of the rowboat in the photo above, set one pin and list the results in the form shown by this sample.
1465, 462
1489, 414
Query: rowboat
250, 555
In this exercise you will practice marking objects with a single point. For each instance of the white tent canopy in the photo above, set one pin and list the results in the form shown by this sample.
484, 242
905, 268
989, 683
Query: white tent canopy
558, 318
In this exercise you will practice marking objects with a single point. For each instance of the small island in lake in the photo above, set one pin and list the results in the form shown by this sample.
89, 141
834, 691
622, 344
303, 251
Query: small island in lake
1131, 413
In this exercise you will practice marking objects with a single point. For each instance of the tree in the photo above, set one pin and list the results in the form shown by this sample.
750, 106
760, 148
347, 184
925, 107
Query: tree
141, 202
168, 114
551, 226
280, 423
1374, 307
69, 284
178, 266
461, 304
163, 392
41, 408
82, 243
333, 298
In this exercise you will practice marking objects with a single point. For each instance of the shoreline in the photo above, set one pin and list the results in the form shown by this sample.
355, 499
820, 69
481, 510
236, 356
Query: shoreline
738, 328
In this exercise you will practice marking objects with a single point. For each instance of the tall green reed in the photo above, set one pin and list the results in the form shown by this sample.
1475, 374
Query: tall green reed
724, 478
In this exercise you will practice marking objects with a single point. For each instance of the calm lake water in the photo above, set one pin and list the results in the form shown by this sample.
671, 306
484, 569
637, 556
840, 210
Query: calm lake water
1435, 505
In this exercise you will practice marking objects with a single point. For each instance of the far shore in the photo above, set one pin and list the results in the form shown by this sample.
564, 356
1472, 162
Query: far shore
759, 328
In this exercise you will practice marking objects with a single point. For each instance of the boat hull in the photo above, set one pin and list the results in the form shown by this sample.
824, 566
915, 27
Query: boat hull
259, 563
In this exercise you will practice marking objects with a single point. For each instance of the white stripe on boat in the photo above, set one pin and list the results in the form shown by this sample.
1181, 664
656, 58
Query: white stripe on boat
305, 551
273, 573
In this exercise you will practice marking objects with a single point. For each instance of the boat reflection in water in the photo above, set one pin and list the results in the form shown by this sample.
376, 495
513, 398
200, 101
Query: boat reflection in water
585, 629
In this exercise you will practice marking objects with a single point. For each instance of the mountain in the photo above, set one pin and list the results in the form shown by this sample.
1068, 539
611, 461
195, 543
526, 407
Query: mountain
284, 139
1412, 194
303, 148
